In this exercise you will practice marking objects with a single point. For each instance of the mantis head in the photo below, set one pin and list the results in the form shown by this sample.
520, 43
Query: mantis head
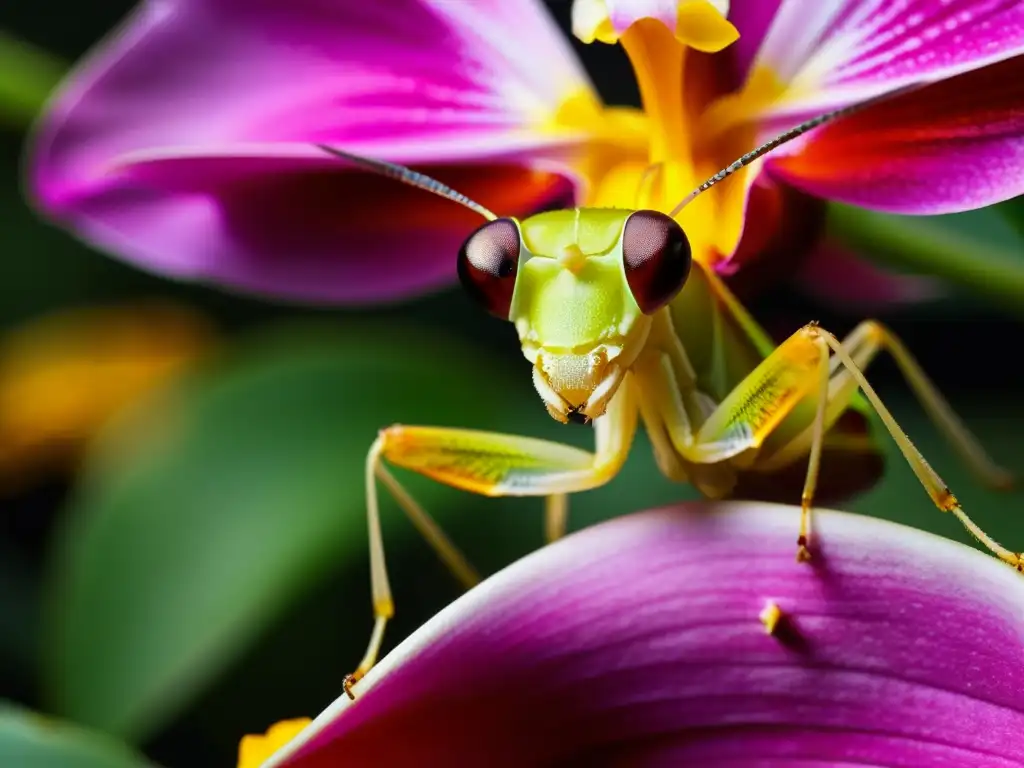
580, 286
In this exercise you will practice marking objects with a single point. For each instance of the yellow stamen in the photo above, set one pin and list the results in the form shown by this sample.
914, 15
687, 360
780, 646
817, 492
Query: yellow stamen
657, 60
681, 136
613, 135
254, 751
700, 25
762, 89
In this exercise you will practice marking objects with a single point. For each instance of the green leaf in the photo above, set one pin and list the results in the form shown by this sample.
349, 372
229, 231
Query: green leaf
966, 249
1012, 212
27, 76
209, 510
30, 740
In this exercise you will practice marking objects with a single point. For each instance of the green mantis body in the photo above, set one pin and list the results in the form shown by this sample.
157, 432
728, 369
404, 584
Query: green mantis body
623, 329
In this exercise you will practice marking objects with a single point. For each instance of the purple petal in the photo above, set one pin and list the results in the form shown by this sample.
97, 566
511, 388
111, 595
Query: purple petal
637, 642
247, 86
752, 18
842, 53
624, 13
953, 146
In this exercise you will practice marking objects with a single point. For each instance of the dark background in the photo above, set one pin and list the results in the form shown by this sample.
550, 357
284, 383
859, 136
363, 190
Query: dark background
292, 660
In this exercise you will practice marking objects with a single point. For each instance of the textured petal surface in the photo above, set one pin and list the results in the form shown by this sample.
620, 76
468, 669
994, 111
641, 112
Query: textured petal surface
836, 53
953, 146
637, 642
247, 86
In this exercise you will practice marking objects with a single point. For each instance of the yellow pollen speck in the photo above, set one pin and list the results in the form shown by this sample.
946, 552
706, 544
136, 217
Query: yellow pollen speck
770, 616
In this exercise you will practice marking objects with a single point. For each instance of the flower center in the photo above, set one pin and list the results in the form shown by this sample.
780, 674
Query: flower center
686, 133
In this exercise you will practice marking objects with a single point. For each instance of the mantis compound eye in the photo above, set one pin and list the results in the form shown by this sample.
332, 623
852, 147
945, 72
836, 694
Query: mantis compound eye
656, 257
488, 263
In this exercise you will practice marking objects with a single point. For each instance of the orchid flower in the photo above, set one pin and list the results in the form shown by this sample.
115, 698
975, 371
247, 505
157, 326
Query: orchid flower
184, 143
953, 145
665, 638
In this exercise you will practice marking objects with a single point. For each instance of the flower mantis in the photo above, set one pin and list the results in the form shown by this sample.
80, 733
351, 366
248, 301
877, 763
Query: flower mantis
622, 327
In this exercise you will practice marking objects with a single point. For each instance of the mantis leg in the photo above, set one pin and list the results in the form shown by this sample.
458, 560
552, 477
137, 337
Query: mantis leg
933, 484
751, 411
490, 464
867, 340
862, 345
556, 516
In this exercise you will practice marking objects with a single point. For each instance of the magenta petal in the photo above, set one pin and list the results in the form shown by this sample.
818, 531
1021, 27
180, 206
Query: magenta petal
848, 51
300, 228
752, 18
637, 642
250, 85
953, 146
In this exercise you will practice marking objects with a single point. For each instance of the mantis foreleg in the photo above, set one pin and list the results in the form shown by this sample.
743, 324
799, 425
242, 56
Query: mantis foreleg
490, 464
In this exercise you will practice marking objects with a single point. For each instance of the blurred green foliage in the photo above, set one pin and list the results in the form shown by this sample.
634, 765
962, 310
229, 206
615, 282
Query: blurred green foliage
28, 740
251, 472
206, 573
27, 74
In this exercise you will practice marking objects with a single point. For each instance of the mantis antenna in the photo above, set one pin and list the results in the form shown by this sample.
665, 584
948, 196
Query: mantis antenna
788, 136
410, 177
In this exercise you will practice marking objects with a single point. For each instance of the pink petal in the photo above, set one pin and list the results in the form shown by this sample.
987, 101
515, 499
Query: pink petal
637, 642
624, 13
844, 52
248, 86
953, 146
752, 18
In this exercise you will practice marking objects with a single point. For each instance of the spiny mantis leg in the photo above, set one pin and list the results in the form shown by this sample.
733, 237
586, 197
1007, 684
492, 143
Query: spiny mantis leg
487, 463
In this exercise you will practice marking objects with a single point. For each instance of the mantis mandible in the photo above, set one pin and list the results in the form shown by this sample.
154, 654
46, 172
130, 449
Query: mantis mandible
623, 327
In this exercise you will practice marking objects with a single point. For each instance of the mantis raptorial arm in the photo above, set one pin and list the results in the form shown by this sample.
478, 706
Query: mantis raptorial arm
490, 464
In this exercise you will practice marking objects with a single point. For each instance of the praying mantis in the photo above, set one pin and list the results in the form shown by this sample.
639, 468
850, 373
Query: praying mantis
623, 327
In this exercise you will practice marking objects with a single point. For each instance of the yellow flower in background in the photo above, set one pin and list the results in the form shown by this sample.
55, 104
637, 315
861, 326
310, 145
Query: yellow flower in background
63, 377
255, 750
